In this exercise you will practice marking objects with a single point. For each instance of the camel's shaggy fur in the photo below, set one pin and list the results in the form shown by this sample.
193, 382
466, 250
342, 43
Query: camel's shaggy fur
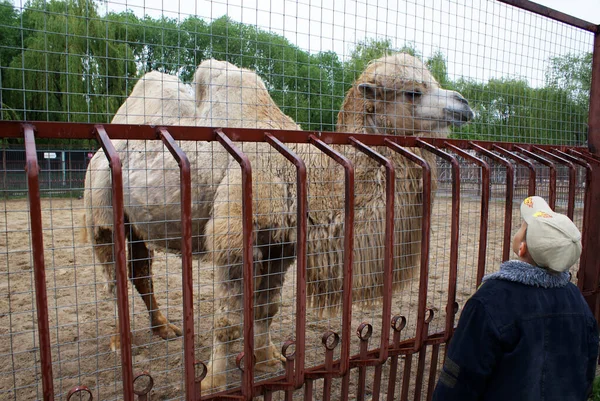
395, 95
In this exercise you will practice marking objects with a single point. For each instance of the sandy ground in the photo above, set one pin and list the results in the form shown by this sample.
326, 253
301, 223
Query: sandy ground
82, 316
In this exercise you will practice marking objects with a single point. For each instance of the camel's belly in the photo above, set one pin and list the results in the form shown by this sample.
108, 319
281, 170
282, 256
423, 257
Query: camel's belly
160, 224
167, 235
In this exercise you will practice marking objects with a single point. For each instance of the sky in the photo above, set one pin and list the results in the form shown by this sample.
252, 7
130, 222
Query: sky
588, 10
481, 39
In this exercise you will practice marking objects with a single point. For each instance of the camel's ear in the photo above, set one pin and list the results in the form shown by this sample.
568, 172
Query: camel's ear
369, 91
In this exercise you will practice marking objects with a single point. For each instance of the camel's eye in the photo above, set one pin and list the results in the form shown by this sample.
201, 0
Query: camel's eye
413, 94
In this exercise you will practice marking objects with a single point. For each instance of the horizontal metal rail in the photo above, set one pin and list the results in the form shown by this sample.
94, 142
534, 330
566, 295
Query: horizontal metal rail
553, 14
60, 130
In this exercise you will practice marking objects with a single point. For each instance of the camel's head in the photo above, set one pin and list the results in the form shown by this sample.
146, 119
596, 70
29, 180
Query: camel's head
397, 95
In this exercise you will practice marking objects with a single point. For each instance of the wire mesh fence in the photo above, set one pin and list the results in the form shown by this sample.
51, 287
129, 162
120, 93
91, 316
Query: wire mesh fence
527, 77
301, 273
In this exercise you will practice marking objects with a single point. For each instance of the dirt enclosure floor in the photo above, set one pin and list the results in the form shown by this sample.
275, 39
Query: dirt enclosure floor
82, 315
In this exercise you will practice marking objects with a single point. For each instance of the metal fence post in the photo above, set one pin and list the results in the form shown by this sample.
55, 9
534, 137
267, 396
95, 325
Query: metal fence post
591, 267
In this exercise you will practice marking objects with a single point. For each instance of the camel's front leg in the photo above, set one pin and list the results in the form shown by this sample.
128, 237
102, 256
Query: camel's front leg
267, 301
227, 335
225, 240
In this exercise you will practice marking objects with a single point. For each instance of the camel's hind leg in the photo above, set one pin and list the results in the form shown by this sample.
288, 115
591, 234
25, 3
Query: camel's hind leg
103, 249
140, 274
267, 300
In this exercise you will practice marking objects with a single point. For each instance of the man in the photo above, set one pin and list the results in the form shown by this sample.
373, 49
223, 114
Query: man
527, 333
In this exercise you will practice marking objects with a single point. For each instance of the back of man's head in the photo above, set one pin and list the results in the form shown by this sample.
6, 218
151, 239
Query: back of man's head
553, 240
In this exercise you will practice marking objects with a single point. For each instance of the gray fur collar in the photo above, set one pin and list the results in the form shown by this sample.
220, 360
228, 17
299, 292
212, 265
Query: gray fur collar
524, 273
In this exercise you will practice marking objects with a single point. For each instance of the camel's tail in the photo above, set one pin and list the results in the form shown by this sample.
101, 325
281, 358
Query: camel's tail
83, 234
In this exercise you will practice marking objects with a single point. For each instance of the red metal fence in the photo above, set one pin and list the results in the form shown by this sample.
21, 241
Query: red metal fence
426, 344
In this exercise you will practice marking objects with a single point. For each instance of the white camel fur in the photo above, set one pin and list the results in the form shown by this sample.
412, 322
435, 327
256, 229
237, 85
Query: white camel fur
395, 95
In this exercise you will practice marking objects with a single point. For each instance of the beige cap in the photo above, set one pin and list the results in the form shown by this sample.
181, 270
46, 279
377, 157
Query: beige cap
553, 240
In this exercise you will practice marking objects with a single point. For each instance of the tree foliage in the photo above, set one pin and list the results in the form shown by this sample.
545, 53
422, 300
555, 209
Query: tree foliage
62, 60
71, 67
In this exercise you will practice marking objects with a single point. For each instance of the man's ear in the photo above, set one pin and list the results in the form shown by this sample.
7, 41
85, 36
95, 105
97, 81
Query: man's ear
523, 249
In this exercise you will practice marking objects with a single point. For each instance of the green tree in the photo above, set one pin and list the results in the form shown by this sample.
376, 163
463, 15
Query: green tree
571, 72
510, 110
437, 66
362, 54
160, 46
71, 68
10, 33
195, 45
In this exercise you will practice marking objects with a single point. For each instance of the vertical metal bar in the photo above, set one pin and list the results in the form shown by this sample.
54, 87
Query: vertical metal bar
421, 360
348, 246
586, 208
248, 268
433, 371
420, 371
364, 332
289, 369
508, 205
589, 274
39, 268
345, 386
522, 161
594, 113
592, 235
406, 377
398, 323
425, 238
120, 259
388, 257
377, 381
454, 235
550, 165
572, 178
308, 391
301, 266
185, 179
327, 380
485, 206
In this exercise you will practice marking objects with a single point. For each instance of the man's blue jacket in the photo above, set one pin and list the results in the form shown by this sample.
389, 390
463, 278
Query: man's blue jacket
525, 335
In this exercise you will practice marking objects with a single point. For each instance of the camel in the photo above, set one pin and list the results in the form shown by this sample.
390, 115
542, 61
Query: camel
395, 95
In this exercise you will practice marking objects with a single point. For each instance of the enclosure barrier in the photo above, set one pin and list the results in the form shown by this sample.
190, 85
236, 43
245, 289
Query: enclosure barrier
138, 386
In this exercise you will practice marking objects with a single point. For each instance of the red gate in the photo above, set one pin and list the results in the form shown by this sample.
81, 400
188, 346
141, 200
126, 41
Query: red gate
425, 345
